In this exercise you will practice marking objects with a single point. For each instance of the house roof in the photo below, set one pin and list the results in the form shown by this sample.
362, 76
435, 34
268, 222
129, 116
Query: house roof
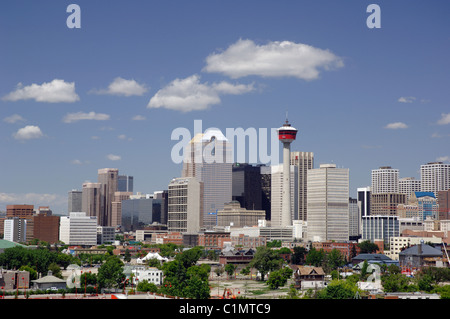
48, 279
426, 250
372, 257
310, 270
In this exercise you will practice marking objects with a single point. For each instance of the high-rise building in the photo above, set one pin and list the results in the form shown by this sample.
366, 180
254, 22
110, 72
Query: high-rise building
443, 198
354, 219
364, 200
246, 185
125, 183
384, 180
435, 177
185, 205
137, 211
160, 206
277, 194
78, 229
408, 186
304, 161
420, 206
74, 201
208, 158
386, 204
91, 200
236, 216
266, 189
23, 212
328, 203
46, 227
376, 227
116, 207
108, 177
286, 135
15, 229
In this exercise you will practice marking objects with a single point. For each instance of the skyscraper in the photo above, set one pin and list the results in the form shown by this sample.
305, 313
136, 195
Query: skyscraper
435, 177
208, 159
116, 207
90, 203
304, 161
108, 177
384, 180
125, 183
408, 186
184, 206
385, 195
277, 194
328, 203
74, 201
23, 212
364, 201
246, 184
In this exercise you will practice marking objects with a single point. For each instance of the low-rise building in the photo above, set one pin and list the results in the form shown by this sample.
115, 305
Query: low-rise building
309, 277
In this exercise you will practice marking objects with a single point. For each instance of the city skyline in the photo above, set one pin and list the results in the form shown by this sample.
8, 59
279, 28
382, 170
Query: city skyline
111, 93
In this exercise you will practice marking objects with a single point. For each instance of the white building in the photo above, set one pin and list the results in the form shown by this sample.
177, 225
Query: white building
435, 177
304, 161
15, 229
409, 185
328, 203
277, 194
385, 180
152, 275
185, 205
78, 229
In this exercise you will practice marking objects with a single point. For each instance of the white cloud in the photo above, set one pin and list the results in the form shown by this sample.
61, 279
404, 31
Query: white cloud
123, 137
274, 59
189, 94
78, 162
73, 117
396, 125
52, 92
33, 199
14, 119
445, 119
28, 132
406, 99
113, 157
138, 118
124, 87
443, 159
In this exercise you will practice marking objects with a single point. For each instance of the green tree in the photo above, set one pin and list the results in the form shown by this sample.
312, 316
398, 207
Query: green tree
55, 269
189, 257
334, 260
145, 286
298, 257
395, 283
110, 274
367, 247
230, 269
338, 289
127, 255
315, 257
266, 260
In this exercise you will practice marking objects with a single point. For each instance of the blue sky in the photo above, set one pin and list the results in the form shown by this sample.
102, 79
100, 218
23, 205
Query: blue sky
110, 93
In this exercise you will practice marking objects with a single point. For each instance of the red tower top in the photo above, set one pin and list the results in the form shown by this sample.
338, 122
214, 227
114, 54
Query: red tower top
287, 133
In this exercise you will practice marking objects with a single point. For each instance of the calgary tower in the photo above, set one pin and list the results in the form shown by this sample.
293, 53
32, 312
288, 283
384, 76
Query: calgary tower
286, 135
